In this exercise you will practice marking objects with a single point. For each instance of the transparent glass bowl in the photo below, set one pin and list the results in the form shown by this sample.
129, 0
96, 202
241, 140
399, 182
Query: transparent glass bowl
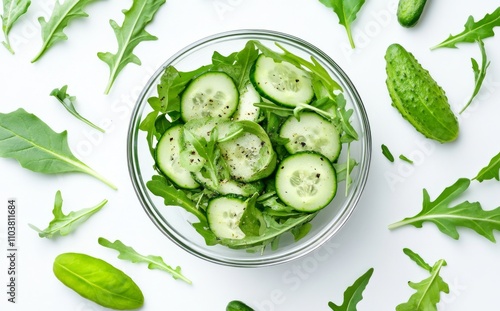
175, 222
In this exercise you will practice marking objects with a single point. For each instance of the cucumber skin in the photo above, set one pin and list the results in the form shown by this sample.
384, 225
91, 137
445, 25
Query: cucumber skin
237, 305
409, 12
418, 97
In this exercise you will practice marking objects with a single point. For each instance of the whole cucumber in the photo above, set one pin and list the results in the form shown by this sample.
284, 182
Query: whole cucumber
409, 12
418, 97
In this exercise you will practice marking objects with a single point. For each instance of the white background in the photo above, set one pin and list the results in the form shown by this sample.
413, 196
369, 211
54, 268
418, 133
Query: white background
393, 191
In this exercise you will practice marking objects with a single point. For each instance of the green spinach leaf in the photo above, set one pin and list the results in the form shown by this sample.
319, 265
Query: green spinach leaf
481, 29
12, 11
447, 219
490, 171
53, 29
354, 293
65, 224
68, 102
129, 35
154, 262
479, 73
26, 138
346, 11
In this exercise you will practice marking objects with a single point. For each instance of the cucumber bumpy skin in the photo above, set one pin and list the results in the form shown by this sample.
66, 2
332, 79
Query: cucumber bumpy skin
409, 12
418, 97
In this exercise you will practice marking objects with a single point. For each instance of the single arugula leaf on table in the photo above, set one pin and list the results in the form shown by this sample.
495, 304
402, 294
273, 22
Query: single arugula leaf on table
447, 219
354, 293
405, 158
68, 102
129, 35
154, 262
491, 171
387, 153
481, 29
428, 291
62, 14
12, 11
346, 11
27, 139
65, 224
479, 73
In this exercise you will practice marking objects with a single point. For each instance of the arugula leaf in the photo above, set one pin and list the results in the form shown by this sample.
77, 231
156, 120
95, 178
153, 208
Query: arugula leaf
68, 102
252, 222
129, 35
428, 291
159, 186
344, 169
404, 158
53, 29
346, 11
353, 294
65, 224
490, 171
481, 29
154, 262
12, 11
26, 138
417, 259
387, 153
447, 219
479, 73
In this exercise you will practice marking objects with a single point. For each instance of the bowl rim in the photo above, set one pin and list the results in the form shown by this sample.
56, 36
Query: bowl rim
142, 191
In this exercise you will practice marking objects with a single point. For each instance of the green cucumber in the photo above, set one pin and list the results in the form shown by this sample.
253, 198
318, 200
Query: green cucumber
418, 97
409, 12
237, 305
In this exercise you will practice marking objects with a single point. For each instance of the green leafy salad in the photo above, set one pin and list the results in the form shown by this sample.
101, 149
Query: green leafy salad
250, 144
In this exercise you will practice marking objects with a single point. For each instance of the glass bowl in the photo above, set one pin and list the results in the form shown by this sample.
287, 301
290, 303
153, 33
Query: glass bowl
176, 223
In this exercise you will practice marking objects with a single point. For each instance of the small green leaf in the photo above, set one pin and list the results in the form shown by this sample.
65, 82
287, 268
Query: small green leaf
490, 171
479, 73
447, 219
404, 158
65, 224
12, 11
129, 35
68, 102
417, 259
154, 262
62, 14
481, 29
346, 11
387, 153
353, 294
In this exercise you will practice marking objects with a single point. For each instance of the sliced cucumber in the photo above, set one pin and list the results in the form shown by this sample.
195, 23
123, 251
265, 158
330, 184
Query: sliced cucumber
312, 133
306, 181
249, 156
212, 94
282, 83
224, 215
246, 109
168, 159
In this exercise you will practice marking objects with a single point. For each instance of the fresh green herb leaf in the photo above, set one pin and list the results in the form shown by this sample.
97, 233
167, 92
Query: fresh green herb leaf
12, 11
237, 305
353, 294
490, 171
417, 259
301, 231
65, 224
346, 11
479, 73
98, 281
69, 103
62, 14
447, 219
481, 29
404, 158
26, 138
428, 291
129, 35
345, 168
154, 262
252, 222
387, 153
159, 186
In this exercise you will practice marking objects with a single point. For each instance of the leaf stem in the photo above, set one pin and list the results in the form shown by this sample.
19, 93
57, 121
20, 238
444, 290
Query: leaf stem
7, 45
349, 35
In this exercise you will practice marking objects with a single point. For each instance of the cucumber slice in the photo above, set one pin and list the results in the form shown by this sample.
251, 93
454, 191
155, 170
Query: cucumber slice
246, 109
306, 181
281, 83
212, 94
312, 133
168, 159
224, 215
